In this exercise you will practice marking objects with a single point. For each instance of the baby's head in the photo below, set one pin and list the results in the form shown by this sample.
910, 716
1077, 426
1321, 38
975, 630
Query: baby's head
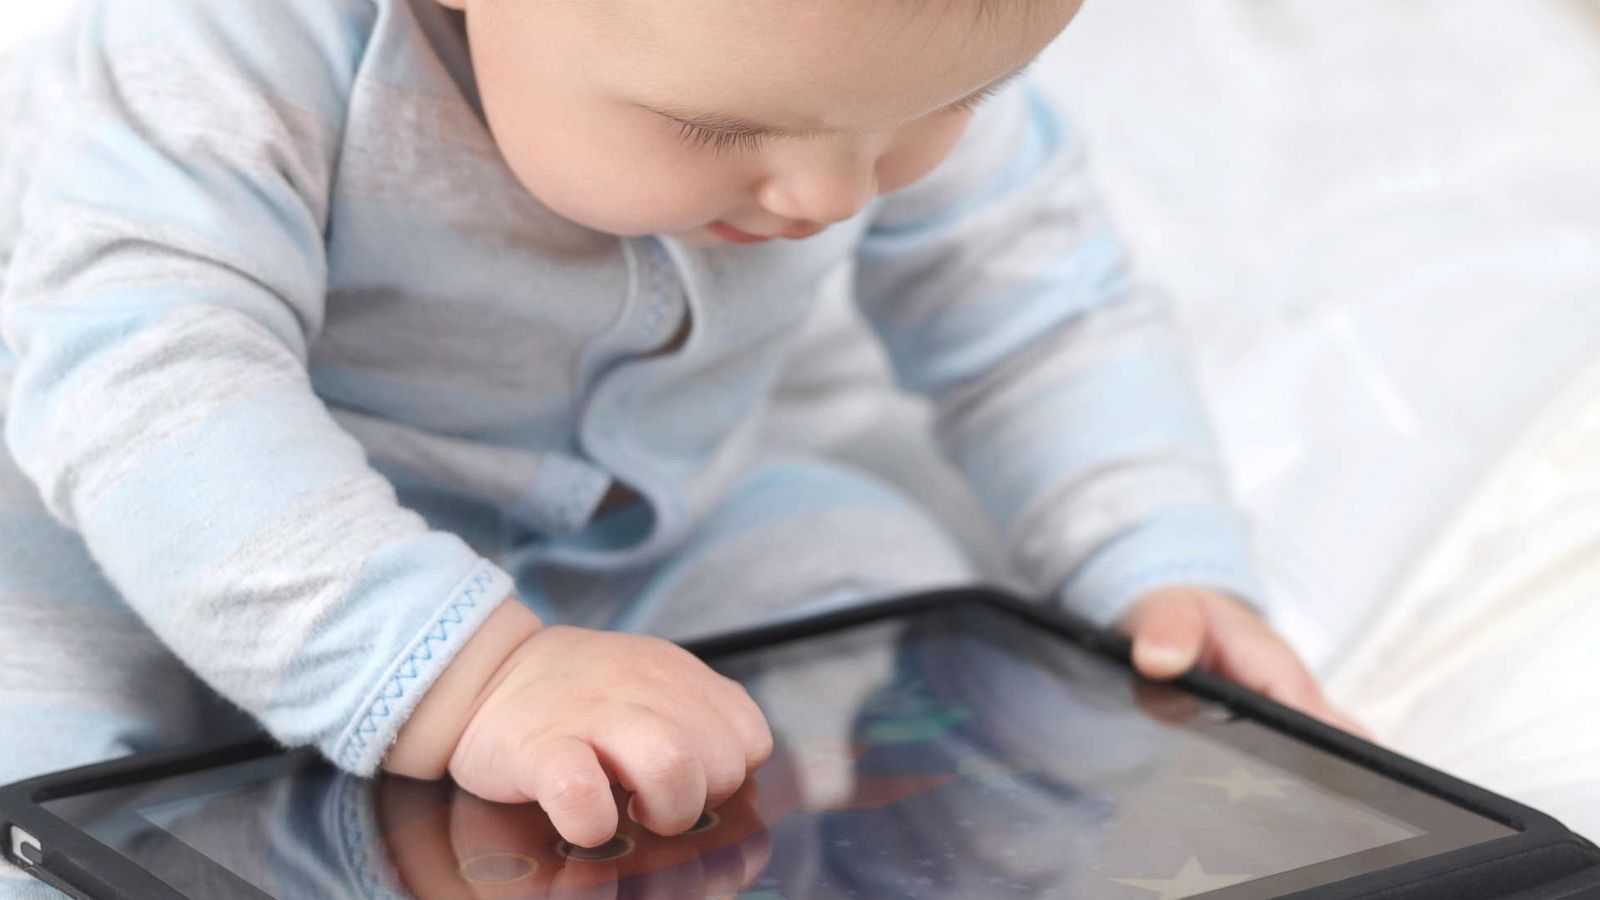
770, 117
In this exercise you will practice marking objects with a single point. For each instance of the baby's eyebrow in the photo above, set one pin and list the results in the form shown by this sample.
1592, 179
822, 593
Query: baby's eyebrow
731, 124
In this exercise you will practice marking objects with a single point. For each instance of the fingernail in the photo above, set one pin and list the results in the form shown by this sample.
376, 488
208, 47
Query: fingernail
1163, 658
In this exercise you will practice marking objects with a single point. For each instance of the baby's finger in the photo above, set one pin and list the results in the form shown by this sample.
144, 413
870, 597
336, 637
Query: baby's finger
1320, 707
564, 776
1351, 724
749, 722
1313, 702
1257, 659
1263, 662
1249, 652
1169, 633
1309, 701
655, 760
717, 745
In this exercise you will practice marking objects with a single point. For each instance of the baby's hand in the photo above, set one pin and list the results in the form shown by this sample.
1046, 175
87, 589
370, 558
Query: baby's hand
572, 710
1174, 629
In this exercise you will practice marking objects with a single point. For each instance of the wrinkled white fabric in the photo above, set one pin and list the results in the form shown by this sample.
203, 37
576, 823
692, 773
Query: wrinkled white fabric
1483, 663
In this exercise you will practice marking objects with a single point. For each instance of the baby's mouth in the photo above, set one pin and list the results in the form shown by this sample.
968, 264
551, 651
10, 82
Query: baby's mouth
726, 232
733, 235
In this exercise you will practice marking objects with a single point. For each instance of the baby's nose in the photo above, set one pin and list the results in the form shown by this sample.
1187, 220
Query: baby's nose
821, 195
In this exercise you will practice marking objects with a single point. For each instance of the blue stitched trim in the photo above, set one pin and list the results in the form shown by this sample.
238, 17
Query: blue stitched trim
470, 595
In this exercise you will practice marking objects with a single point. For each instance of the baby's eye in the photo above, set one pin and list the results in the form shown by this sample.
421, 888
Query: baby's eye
975, 101
720, 142
725, 141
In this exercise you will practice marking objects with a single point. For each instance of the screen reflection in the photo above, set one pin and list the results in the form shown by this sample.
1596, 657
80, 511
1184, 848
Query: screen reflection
961, 755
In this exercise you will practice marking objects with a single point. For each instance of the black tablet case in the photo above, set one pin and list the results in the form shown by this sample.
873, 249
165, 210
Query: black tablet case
1544, 861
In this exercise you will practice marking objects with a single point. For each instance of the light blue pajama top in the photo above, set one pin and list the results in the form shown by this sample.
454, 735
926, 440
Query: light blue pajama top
316, 380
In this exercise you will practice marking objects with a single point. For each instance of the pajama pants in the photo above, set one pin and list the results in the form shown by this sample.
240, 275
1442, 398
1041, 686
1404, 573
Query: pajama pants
83, 680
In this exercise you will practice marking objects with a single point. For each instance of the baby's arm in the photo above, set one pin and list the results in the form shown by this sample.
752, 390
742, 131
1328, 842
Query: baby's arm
1062, 389
1060, 384
160, 305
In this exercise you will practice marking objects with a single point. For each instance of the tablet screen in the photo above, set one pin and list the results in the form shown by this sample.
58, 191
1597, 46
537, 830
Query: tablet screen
949, 754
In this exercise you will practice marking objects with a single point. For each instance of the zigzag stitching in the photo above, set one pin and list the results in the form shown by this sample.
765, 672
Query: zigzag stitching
408, 667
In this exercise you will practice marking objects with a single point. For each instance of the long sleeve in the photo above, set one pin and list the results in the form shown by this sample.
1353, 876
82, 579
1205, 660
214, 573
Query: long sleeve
160, 304
1060, 384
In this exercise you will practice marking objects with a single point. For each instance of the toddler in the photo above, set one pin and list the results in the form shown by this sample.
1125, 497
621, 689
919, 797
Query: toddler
389, 374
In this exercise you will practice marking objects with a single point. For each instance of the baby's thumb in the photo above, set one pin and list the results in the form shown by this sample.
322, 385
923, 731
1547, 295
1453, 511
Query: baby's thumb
1169, 631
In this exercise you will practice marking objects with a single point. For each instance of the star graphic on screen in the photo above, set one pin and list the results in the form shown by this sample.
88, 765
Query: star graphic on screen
1190, 880
1241, 784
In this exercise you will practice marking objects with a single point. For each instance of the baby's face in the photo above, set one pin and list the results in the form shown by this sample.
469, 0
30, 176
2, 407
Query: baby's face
716, 120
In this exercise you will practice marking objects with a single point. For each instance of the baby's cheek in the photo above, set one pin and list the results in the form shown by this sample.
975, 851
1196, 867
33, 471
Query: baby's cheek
920, 150
624, 187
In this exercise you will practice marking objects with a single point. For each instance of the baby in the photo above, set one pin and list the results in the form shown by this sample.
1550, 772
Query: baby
394, 370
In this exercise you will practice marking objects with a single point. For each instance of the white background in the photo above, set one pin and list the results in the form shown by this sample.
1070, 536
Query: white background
19, 18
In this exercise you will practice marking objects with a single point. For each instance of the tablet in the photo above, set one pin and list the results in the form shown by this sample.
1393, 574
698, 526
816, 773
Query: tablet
964, 744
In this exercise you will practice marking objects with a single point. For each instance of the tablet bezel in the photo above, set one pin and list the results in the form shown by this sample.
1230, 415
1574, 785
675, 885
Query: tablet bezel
1543, 850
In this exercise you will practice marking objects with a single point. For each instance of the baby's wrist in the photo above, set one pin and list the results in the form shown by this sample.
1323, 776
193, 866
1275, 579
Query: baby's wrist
428, 738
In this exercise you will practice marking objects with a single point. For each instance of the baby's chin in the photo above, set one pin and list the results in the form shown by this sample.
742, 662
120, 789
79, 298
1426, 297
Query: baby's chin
694, 236
704, 235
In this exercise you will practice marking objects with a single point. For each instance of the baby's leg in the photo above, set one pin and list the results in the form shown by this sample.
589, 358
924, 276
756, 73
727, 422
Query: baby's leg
81, 679
792, 537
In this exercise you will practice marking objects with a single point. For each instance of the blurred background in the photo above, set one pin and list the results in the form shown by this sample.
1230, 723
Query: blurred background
1380, 223
21, 18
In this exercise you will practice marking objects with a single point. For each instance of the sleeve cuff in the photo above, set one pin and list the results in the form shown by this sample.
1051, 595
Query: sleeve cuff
1199, 546
360, 747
